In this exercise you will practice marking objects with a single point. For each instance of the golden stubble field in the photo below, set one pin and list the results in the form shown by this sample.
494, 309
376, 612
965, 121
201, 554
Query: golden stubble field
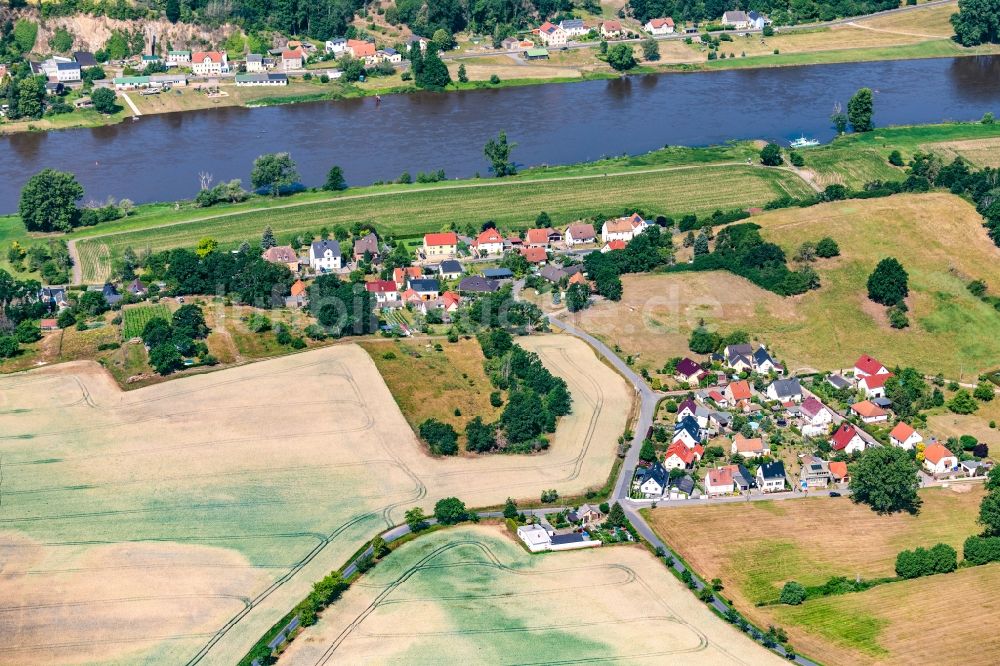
473, 595
756, 547
179, 521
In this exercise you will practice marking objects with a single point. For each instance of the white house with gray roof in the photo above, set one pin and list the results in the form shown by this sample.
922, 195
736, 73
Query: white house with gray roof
324, 255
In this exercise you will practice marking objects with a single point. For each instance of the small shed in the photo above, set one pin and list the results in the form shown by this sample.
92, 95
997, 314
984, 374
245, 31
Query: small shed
536, 54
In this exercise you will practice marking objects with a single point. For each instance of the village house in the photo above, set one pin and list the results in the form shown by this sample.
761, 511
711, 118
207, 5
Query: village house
417, 39
611, 29
611, 246
556, 274
838, 382
838, 471
209, 63
255, 63
292, 60
477, 284
688, 371
874, 385
542, 537
785, 390
297, 295
361, 50
653, 481
719, 481
48, 324
449, 269
771, 477
83, 58
681, 488
715, 396
685, 410
402, 275
814, 417
749, 447
737, 19
282, 254
542, 237
815, 473
574, 27
847, 439
178, 58
385, 292
426, 288
324, 255
763, 363
758, 20
367, 244
337, 46
441, 245
488, 242
67, 72
738, 393
390, 55
534, 255
500, 274
939, 460
869, 412
866, 366
904, 436
586, 515
511, 44
535, 537
659, 26
623, 228
110, 293
679, 456
580, 234
739, 357
688, 432
552, 35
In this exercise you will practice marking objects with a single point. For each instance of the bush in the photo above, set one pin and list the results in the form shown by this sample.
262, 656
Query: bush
827, 247
888, 283
941, 558
895, 158
494, 79
440, 437
793, 594
450, 511
981, 550
796, 159
770, 155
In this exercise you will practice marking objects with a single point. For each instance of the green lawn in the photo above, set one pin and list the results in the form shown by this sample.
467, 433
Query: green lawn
512, 203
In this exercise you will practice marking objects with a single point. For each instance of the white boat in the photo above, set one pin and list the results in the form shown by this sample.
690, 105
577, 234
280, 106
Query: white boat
803, 142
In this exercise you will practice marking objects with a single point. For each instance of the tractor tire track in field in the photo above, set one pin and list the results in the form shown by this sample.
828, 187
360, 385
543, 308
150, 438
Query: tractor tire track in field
79, 276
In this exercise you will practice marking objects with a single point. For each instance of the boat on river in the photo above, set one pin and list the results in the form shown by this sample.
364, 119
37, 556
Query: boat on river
803, 142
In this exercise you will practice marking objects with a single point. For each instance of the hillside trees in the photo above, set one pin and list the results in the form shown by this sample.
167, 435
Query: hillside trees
885, 478
48, 201
977, 22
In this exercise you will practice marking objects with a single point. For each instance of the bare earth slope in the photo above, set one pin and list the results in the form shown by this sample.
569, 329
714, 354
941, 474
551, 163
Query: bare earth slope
178, 522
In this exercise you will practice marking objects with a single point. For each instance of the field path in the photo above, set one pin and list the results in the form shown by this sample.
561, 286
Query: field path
76, 268
74, 253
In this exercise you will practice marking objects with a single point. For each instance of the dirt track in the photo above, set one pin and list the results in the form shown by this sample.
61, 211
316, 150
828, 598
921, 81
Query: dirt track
480, 594
178, 522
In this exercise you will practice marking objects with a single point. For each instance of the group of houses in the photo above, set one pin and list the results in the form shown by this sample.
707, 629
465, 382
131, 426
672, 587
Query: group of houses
368, 52
541, 536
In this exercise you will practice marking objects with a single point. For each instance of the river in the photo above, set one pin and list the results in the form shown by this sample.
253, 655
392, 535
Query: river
158, 158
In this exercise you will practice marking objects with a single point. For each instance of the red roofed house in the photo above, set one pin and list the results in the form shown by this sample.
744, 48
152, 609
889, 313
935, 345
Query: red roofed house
688, 371
385, 291
847, 439
403, 275
738, 392
48, 324
449, 301
441, 245
659, 26
867, 366
623, 228
292, 59
611, 29
361, 50
282, 254
838, 470
489, 242
209, 63
542, 237
904, 436
938, 459
869, 412
535, 255
679, 456
719, 481
551, 34
874, 385
718, 398
749, 448
613, 245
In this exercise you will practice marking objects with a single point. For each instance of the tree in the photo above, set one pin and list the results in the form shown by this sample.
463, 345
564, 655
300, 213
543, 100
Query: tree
205, 247
415, 519
617, 517
839, 119
173, 10
450, 511
8, 346
647, 453
770, 155
827, 247
962, 403
27, 331
61, 40
497, 151
989, 514
793, 594
165, 358
543, 221
885, 478
577, 297
621, 57
896, 158
977, 22
335, 180
860, 111
92, 303
30, 97
267, 240
104, 100
700, 244
272, 172
993, 479
440, 437
650, 49
48, 201
510, 509
984, 392
443, 39
463, 76
480, 436
433, 72
888, 282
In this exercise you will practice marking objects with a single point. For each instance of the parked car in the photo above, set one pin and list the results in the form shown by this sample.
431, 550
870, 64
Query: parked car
834, 493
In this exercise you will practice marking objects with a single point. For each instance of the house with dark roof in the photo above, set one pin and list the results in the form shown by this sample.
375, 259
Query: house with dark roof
367, 243
324, 255
653, 481
785, 390
53, 297
450, 269
498, 274
743, 480
477, 284
685, 409
771, 477
739, 357
687, 431
688, 371
763, 363
136, 288
681, 487
838, 382
554, 273
85, 58
426, 289
110, 293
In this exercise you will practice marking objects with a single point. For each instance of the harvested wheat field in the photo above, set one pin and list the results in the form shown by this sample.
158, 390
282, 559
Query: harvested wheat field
979, 152
939, 239
180, 521
477, 592
755, 548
